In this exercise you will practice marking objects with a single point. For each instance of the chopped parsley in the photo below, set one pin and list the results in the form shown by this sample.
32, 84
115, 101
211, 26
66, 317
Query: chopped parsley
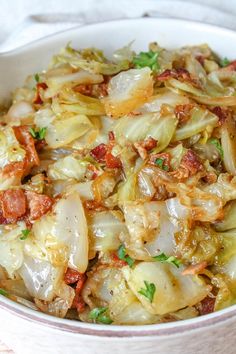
218, 146
36, 77
3, 292
224, 62
124, 257
25, 234
149, 59
160, 163
149, 290
164, 258
99, 314
39, 135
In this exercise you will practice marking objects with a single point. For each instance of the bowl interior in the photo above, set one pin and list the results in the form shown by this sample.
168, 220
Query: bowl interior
16, 65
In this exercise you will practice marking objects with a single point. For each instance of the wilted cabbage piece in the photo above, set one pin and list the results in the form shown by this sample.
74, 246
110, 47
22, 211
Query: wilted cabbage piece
159, 127
10, 149
117, 186
40, 277
173, 290
200, 119
127, 91
66, 229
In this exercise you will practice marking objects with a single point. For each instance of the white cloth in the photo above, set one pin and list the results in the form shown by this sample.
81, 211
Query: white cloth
23, 21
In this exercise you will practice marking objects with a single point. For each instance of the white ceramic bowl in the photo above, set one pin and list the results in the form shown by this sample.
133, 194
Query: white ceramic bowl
27, 331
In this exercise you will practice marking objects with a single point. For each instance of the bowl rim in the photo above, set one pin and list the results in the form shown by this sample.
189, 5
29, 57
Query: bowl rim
118, 331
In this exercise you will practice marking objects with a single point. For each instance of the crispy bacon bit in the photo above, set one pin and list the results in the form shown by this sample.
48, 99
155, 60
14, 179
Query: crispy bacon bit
14, 169
93, 205
144, 146
94, 90
230, 67
99, 152
86, 90
163, 156
102, 89
222, 113
206, 306
13, 204
211, 177
119, 263
102, 153
195, 268
200, 59
192, 162
40, 144
38, 204
112, 161
183, 112
189, 166
80, 283
180, 74
40, 86
175, 74
27, 141
78, 302
72, 276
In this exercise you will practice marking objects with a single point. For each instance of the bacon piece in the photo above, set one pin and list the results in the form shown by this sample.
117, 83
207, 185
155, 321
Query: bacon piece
38, 204
14, 169
119, 263
72, 276
93, 205
78, 302
182, 112
99, 152
27, 141
93, 90
144, 146
206, 306
180, 74
163, 156
102, 153
112, 161
192, 162
40, 86
86, 90
230, 67
211, 177
189, 166
195, 268
175, 74
222, 113
13, 204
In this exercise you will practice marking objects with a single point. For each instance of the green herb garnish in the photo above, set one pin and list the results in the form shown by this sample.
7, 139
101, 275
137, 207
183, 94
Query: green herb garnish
149, 291
218, 146
4, 292
164, 258
160, 163
224, 62
36, 77
124, 257
99, 315
25, 234
149, 59
39, 135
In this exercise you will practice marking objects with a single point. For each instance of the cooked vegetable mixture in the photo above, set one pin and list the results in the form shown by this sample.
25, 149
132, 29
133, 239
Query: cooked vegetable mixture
118, 186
